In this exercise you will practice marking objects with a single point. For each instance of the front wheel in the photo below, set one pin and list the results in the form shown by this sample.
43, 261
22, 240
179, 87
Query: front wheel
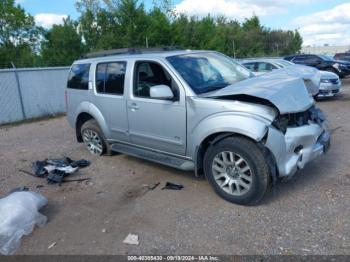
237, 170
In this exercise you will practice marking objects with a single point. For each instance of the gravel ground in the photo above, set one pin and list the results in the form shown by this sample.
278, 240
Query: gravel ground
307, 215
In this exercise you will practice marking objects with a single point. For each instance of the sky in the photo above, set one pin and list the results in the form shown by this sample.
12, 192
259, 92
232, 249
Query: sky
319, 21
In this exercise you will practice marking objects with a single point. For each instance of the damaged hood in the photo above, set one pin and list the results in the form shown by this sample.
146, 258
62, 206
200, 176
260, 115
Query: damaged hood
287, 93
310, 75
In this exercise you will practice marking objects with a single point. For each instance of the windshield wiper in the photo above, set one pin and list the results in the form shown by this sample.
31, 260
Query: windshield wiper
211, 88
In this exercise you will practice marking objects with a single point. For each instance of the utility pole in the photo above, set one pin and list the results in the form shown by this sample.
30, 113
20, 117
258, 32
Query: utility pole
234, 49
146, 42
19, 90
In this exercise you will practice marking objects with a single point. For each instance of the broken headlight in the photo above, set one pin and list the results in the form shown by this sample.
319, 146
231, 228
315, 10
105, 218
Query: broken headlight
313, 114
281, 123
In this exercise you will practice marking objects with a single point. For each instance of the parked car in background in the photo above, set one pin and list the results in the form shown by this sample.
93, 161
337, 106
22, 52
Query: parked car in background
342, 56
310, 75
330, 84
322, 62
200, 111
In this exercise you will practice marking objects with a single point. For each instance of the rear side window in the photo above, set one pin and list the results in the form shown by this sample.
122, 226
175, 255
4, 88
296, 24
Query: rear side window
79, 77
265, 67
110, 78
250, 66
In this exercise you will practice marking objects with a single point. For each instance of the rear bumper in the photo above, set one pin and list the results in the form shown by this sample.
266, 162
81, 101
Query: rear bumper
297, 147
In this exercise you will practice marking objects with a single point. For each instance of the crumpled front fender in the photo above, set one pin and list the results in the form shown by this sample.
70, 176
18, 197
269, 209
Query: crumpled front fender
248, 125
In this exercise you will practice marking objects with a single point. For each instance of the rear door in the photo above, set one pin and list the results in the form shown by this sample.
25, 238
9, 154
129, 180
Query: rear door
77, 90
156, 123
109, 98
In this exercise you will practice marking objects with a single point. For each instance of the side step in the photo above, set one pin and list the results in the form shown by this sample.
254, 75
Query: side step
154, 156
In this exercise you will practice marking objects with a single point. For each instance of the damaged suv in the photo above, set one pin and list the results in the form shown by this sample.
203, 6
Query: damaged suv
200, 111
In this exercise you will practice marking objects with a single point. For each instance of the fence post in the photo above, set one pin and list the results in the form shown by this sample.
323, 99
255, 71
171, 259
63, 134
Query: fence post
19, 91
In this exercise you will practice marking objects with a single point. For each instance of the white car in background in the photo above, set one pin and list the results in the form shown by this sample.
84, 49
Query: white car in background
330, 84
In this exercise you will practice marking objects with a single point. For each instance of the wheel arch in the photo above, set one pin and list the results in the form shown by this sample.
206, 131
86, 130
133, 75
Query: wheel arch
214, 138
81, 119
92, 113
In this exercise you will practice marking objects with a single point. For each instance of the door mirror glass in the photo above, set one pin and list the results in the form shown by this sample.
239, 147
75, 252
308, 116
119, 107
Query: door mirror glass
161, 92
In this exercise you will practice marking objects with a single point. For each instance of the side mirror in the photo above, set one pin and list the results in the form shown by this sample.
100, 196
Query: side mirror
161, 92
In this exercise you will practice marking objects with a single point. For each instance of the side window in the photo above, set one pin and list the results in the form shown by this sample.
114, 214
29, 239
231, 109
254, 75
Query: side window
148, 74
299, 59
250, 66
110, 78
79, 77
265, 67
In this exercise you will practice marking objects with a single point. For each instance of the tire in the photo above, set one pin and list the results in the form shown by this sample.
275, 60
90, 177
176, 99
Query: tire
246, 154
93, 138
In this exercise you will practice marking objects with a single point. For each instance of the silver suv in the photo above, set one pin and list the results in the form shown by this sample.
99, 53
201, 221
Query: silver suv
200, 111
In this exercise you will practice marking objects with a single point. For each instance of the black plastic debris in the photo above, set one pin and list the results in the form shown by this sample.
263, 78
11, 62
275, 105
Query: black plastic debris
56, 170
173, 186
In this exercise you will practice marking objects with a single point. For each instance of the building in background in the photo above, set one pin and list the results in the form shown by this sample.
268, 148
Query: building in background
325, 50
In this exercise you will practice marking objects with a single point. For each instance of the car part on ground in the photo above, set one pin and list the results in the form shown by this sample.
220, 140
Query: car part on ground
19, 213
172, 186
56, 170
112, 106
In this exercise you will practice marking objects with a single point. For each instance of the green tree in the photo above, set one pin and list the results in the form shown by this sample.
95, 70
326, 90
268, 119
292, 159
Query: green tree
133, 21
89, 28
18, 35
158, 31
62, 44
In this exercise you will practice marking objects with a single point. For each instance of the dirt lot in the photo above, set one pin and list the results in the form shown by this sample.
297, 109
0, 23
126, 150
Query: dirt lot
307, 215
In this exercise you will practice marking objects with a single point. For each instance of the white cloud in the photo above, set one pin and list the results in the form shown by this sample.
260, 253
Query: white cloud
237, 9
330, 26
18, 2
232, 9
47, 20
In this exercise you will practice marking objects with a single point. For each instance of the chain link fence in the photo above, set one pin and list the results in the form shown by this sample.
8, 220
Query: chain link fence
31, 92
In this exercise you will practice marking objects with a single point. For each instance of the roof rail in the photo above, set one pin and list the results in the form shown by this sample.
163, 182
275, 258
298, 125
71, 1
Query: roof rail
130, 51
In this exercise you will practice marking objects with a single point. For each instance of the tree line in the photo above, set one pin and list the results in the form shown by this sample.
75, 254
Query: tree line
110, 24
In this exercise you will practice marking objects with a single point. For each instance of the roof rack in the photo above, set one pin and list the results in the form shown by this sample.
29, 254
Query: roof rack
131, 51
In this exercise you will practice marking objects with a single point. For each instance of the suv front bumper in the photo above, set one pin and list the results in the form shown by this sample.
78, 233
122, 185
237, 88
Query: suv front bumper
300, 145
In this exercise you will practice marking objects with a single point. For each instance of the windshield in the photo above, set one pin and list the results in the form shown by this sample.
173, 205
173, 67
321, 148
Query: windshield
206, 72
284, 63
326, 57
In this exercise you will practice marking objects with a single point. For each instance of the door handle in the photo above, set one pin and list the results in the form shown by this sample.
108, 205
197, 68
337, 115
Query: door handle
134, 107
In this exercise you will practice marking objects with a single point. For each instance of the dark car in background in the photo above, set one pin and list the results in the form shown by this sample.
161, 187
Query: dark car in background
342, 56
322, 62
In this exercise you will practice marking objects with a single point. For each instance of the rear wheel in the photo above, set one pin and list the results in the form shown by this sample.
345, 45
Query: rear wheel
93, 138
237, 170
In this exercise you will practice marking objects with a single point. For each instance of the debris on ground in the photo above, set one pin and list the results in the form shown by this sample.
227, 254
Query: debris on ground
152, 186
52, 245
131, 239
55, 170
173, 186
18, 216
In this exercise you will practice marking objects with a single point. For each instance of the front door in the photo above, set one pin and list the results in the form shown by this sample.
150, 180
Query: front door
156, 123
